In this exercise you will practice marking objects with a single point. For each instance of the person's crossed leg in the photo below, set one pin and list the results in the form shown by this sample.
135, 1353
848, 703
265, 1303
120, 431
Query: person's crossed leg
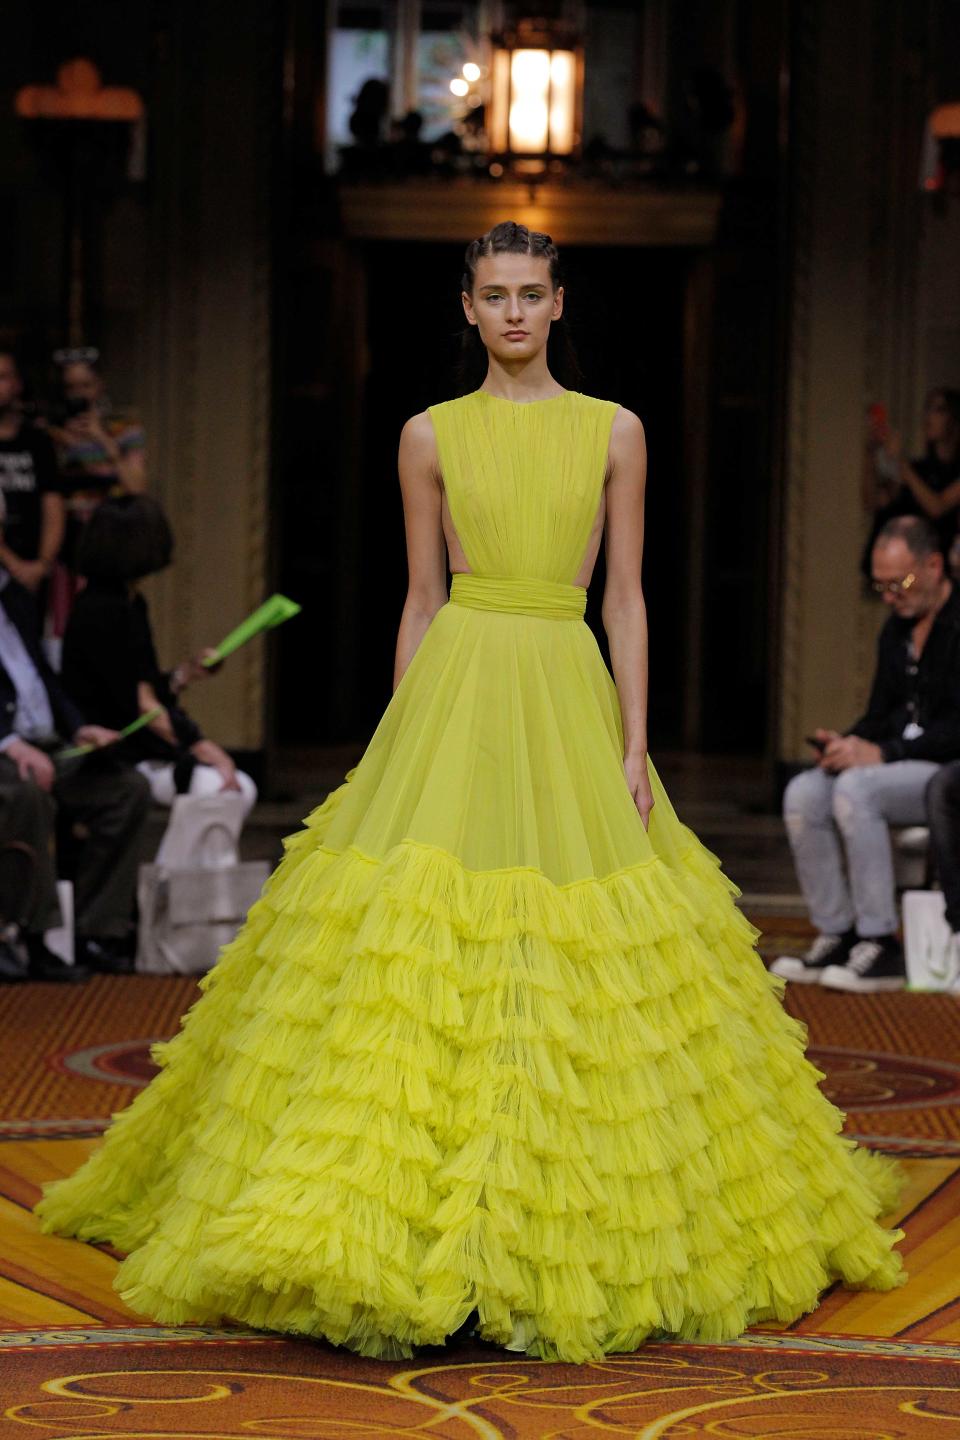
839, 831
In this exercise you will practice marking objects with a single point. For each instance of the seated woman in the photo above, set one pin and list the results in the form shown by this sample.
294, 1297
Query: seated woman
110, 664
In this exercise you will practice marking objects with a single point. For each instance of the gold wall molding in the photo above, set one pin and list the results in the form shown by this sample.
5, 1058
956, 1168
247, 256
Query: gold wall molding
856, 223
207, 370
577, 213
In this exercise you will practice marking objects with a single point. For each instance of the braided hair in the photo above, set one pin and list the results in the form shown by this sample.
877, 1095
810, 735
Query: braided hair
510, 238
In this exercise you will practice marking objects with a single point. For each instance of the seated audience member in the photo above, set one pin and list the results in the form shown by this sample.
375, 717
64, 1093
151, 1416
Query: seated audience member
943, 818
876, 774
33, 524
109, 661
37, 718
928, 485
943, 811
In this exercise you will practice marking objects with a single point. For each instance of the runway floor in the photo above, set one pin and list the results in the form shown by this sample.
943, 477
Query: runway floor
74, 1361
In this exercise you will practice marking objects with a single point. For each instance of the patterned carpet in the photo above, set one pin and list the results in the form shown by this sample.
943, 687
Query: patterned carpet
74, 1362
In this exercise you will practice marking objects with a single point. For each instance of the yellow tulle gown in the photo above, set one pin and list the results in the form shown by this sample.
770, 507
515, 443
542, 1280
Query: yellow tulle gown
485, 1043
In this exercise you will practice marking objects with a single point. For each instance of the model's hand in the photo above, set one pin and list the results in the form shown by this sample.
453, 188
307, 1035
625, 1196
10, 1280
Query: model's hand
96, 735
209, 753
849, 750
32, 764
638, 783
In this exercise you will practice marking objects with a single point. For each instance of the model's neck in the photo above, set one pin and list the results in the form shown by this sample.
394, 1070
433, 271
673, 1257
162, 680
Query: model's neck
526, 380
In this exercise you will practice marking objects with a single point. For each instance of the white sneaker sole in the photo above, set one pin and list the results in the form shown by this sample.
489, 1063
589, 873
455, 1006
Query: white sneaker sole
788, 967
838, 977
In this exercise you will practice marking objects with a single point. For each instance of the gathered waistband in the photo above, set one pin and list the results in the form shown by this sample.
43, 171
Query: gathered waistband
549, 599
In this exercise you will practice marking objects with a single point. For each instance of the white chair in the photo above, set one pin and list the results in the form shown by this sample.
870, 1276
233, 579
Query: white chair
912, 861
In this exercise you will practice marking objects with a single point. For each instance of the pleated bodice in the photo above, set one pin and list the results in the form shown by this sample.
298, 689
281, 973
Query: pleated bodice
523, 480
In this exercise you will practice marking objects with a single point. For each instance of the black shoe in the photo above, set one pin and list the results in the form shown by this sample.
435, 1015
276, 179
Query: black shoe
42, 964
107, 956
808, 968
875, 964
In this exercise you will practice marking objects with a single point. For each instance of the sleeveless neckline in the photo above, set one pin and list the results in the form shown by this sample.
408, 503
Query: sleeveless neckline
545, 400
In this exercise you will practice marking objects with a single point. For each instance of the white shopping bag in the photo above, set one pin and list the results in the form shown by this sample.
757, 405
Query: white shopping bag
60, 938
188, 915
930, 946
203, 832
195, 896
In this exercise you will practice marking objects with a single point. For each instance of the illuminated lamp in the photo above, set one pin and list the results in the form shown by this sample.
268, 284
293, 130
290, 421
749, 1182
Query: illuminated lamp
536, 92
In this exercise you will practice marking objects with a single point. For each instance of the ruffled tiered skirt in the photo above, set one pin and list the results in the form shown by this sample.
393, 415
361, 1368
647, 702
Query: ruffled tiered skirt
419, 1083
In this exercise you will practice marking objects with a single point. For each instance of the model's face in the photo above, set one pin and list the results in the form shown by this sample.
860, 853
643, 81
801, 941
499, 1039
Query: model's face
938, 424
893, 565
10, 384
513, 304
81, 383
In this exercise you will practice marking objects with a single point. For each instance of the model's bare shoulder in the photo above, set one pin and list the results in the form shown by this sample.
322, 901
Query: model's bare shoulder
627, 450
627, 428
418, 440
417, 458
418, 430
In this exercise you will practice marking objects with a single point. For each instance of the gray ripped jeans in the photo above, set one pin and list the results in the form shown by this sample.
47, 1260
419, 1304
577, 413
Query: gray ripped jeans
827, 815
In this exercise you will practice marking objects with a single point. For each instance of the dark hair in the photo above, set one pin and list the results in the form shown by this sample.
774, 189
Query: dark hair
126, 538
951, 398
916, 532
512, 239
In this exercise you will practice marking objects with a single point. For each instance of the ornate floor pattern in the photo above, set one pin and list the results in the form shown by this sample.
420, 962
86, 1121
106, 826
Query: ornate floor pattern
74, 1362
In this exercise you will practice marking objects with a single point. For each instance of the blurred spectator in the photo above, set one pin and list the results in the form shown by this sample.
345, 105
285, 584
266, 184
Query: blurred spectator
111, 667
33, 522
110, 799
100, 452
928, 485
877, 773
943, 818
943, 811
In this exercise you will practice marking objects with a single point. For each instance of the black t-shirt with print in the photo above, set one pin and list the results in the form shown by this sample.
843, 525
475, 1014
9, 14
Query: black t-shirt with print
28, 470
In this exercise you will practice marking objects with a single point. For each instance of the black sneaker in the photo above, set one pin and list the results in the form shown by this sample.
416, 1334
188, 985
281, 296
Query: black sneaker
807, 969
871, 965
43, 965
107, 956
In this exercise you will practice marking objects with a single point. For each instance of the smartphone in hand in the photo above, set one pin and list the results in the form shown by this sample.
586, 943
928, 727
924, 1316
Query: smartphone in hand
818, 744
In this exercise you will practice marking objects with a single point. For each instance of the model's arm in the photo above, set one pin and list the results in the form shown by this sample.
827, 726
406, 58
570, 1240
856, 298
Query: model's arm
624, 611
426, 558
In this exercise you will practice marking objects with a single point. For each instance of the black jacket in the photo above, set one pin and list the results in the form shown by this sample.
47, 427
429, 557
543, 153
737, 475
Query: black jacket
21, 608
107, 650
927, 691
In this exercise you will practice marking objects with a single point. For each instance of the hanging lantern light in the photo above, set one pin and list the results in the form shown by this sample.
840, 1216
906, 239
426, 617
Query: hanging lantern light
536, 91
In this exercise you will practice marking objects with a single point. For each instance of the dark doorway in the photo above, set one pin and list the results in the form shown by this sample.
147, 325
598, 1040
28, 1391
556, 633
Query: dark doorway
625, 308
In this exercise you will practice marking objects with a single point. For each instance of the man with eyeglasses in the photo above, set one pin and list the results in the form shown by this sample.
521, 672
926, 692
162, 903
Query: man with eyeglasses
876, 775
